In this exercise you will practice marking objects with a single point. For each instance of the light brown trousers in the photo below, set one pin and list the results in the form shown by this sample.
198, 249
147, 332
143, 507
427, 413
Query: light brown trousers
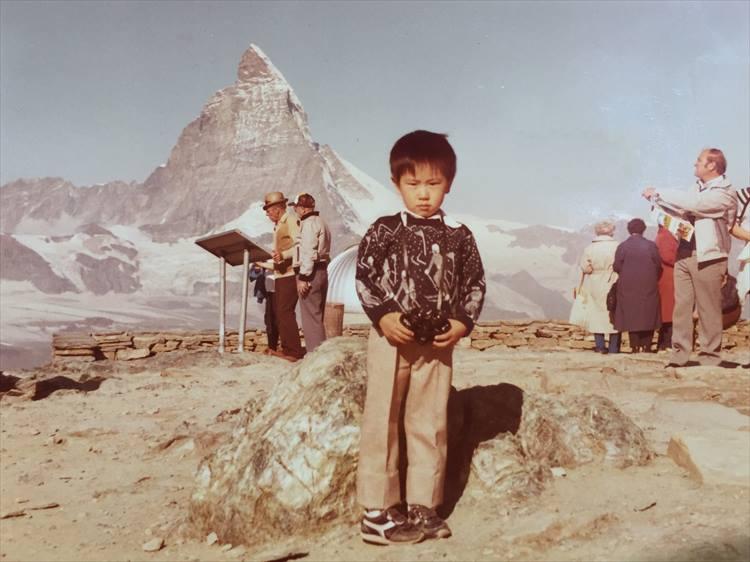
697, 287
416, 379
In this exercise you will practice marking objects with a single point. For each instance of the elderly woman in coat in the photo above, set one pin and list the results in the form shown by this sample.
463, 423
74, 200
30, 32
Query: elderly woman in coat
638, 309
598, 276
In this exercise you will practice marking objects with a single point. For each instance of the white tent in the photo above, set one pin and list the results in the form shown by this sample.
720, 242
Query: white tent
341, 288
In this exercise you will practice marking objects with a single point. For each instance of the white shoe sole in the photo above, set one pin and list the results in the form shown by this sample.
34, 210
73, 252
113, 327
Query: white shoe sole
378, 539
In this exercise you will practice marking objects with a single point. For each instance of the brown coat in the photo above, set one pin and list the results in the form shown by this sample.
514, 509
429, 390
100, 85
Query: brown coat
667, 245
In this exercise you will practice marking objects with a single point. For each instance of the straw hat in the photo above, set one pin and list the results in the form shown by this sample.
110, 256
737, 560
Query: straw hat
274, 198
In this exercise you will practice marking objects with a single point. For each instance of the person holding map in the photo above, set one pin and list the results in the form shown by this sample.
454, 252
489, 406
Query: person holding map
701, 264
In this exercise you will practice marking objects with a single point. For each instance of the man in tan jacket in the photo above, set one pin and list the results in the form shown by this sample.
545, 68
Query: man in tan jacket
284, 257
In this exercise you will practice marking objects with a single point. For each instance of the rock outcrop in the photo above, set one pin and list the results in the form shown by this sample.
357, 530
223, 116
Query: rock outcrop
290, 466
103, 275
21, 263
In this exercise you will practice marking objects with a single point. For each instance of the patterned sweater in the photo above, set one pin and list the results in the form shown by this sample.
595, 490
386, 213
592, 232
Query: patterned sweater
399, 265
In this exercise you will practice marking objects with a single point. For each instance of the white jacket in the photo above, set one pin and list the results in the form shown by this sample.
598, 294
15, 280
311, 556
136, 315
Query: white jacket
714, 206
314, 242
599, 275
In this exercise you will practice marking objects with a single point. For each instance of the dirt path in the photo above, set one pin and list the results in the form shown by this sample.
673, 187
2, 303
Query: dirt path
115, 465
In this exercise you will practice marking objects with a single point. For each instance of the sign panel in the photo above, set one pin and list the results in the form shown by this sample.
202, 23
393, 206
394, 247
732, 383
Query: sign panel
231, 245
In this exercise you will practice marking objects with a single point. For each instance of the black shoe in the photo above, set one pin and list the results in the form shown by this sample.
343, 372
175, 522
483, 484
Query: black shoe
389, 526
431, 524
728, 365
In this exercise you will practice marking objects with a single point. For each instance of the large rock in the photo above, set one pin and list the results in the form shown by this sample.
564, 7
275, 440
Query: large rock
290, 467
579, 431
713, 456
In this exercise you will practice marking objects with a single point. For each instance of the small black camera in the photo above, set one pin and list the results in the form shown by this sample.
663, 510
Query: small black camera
425, 325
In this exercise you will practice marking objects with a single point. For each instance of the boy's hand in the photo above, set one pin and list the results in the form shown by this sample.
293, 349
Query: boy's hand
451, 337
393, 330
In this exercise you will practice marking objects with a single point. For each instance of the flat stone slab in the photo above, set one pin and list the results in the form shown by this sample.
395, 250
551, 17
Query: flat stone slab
701, 415
713, 457
129, 354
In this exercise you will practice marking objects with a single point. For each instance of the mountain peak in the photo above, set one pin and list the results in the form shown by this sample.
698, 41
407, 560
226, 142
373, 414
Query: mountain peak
255, 66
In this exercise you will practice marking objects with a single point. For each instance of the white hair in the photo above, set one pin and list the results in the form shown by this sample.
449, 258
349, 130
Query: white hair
604, 228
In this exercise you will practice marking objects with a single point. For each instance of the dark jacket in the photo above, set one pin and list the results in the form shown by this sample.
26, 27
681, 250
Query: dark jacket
403, 260
638, 264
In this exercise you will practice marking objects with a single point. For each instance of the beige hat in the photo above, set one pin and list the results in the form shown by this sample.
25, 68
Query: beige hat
274, 198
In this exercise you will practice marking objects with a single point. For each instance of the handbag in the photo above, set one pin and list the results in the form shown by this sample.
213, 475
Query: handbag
612, 298
730, 299
730, 302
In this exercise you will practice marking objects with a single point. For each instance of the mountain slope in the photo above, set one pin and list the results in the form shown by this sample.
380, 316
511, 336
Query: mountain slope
124, 252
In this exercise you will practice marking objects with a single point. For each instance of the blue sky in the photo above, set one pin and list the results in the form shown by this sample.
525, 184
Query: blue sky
560, 112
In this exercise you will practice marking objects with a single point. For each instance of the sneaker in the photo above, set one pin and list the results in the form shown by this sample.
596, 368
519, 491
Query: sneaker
431, 524
388, 526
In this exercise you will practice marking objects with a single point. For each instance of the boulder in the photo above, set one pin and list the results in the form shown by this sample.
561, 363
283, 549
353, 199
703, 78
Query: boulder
499, 469
713, 456
581, 430
290, 466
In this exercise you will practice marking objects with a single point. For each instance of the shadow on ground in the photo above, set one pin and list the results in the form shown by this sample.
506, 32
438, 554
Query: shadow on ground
475, 415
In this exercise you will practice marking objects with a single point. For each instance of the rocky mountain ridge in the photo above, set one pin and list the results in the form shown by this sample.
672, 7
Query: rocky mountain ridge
62, 245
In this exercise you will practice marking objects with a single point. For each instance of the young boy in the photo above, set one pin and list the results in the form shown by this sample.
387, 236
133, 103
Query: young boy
419, 269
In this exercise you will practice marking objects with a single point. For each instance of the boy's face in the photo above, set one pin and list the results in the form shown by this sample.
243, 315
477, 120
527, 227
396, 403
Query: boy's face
424, 190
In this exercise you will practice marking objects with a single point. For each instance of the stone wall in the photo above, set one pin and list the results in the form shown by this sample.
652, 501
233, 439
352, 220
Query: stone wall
508, 333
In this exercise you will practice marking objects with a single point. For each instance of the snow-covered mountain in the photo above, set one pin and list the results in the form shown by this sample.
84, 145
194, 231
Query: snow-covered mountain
250, 138
125, 252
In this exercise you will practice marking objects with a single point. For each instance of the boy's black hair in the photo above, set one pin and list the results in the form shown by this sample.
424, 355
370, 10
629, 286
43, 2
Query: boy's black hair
423, 147
636, 226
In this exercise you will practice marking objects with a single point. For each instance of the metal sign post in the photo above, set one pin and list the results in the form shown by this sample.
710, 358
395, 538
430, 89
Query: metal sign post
233, 247
222, 301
